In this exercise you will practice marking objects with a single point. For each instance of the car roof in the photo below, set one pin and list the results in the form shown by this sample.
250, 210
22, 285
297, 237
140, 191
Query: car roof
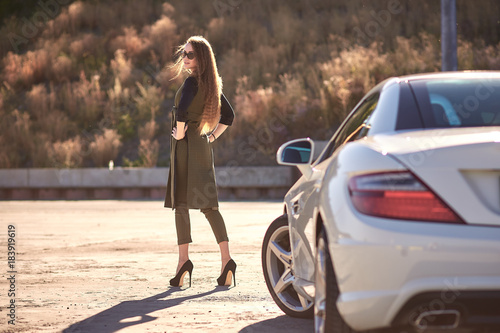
450, 75
481, 75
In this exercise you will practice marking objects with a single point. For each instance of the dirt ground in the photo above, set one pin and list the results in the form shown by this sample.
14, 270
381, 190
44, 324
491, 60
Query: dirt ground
104, 266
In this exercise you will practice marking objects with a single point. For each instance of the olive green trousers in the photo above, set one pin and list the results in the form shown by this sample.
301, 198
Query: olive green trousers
182, 221
183, 224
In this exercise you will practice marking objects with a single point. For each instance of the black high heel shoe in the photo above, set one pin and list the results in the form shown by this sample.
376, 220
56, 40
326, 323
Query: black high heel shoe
178, 279
228, 273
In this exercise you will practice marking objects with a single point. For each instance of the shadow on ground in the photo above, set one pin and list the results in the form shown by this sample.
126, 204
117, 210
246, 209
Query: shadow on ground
130, 313
281, 324
284, 324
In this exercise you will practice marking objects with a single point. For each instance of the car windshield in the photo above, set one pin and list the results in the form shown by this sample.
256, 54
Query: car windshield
458, 102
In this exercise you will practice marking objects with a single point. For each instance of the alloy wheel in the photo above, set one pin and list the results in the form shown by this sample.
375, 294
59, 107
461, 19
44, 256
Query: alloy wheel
320, 283
279, 266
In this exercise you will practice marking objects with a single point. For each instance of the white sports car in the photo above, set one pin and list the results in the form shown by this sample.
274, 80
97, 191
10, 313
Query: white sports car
396, 225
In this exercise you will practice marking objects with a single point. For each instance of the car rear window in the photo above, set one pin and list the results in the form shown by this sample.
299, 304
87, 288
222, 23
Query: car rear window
458, 102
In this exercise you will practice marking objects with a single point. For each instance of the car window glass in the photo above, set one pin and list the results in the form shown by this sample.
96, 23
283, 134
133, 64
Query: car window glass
458, 103
355, 128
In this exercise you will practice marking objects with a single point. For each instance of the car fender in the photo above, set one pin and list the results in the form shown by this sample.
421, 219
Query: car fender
335, 205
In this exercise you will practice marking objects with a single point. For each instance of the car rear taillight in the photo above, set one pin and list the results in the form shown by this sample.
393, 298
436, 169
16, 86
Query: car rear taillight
398, 195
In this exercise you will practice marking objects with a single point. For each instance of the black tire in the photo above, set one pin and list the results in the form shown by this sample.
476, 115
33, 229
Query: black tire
276, 265
327, 318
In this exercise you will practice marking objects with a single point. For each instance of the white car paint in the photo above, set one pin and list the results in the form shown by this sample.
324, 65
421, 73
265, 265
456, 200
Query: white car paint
381, 263
366, 250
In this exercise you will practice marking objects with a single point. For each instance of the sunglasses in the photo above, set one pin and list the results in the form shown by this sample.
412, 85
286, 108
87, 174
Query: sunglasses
190, 55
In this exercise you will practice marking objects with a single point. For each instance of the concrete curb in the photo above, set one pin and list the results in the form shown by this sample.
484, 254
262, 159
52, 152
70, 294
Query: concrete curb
136, 183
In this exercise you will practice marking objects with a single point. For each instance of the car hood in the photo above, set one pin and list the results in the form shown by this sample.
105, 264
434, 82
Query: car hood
461, 165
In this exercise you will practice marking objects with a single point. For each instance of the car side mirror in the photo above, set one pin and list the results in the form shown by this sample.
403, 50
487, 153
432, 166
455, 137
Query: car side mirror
298, 153
295, 152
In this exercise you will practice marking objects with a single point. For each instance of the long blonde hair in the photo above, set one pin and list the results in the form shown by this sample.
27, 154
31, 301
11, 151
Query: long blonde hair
208, 79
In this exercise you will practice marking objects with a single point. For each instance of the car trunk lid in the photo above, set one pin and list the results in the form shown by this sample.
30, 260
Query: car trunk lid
461, 166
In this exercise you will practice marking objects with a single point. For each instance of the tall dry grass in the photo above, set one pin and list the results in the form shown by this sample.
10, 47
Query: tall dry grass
105, 147
5, 160
147, 101
148, 146
290, 69
19, 136
122, 67
66, 154
22, 71
84, 100
40, 154
119, 102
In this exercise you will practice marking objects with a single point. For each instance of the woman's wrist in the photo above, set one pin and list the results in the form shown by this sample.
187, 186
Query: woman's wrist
215, 138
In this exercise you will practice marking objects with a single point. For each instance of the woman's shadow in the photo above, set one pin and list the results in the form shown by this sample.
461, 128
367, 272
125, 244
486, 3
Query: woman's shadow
114, 319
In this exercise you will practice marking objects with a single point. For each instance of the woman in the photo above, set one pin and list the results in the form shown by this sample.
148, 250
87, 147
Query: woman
200, 115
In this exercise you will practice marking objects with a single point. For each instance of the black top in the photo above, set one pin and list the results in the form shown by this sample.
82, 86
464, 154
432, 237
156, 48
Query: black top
187, 95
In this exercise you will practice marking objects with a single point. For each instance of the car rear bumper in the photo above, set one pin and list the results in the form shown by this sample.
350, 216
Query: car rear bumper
386, 271
472, 308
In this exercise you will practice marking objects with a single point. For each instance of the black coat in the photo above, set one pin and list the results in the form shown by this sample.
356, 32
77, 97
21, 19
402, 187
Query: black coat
201, 186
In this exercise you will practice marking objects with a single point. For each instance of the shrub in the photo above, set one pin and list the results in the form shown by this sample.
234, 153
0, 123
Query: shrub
300, 65
25, 70
269, 114
126, 127
66, 154
40, 101
16, 140
148, 147
5, 159
416, 55
148, 131
162, 37
147, 101
39, 154
148, 153
84, 101
105, 147
84, 44
62, 68
130, 43
119, 105
21, 132
122, 67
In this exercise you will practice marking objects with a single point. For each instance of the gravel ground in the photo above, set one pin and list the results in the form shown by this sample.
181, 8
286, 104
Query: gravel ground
104, 266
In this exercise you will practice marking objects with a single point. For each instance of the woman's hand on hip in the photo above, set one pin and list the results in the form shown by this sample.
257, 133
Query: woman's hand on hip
179, 135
